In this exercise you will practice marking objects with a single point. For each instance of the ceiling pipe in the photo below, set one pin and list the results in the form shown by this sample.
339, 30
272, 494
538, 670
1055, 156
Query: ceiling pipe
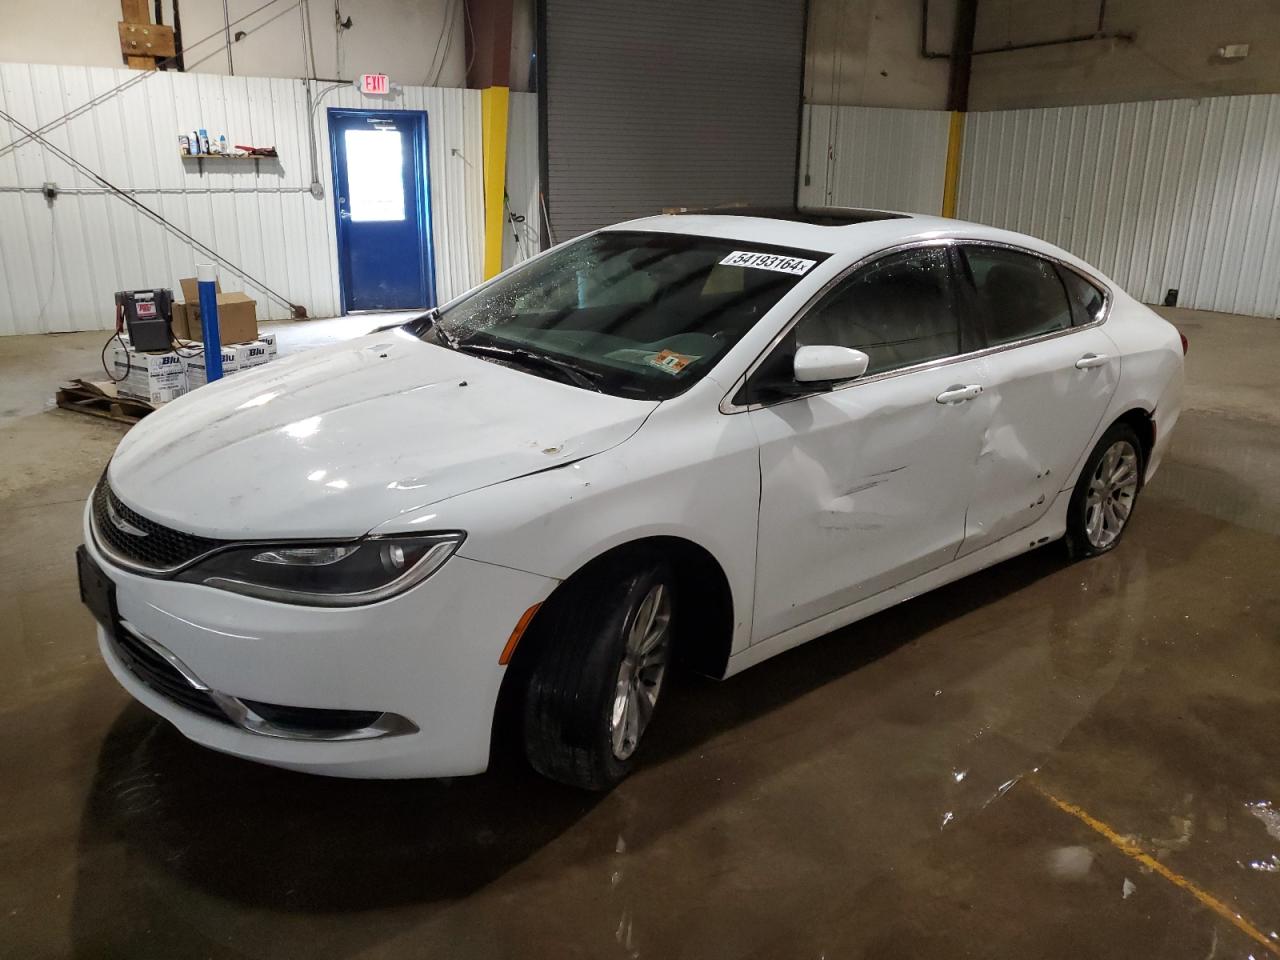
1099, 34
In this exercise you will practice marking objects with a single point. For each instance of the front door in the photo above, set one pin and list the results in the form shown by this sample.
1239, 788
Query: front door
866, 486
382, 209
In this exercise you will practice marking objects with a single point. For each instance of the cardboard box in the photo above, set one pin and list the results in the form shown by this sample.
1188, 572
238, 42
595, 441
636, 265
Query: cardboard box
252, 354
270, 340
237, 314
154, 377
179, 322
191, 289
197, 370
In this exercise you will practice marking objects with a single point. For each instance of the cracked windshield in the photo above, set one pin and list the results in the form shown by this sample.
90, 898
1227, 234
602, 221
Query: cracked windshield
633, 314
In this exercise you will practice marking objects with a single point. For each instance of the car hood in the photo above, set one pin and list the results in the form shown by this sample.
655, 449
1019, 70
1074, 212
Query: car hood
338, 440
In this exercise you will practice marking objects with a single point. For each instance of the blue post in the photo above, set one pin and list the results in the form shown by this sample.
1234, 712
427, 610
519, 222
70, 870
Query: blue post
207, 282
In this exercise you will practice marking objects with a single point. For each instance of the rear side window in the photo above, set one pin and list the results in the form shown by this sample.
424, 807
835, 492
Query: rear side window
1019, 295
898, 310
1087, 301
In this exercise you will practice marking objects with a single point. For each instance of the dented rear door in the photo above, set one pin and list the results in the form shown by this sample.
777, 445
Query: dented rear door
1049, 398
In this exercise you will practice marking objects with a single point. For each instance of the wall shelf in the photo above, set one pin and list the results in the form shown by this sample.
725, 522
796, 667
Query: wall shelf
217, 158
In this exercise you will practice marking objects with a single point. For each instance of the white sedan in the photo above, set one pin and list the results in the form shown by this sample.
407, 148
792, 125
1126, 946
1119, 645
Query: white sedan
690, 437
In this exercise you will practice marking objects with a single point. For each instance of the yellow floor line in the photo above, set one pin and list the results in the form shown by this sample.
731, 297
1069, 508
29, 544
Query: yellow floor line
1134, 852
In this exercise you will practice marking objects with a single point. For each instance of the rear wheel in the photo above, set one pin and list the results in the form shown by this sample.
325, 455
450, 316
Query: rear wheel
1105, 494
605, 649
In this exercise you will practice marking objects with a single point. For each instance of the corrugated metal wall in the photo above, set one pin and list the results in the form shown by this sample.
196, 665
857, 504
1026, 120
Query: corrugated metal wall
1157, 194
873, 157
657, 103
521, 239
61, 263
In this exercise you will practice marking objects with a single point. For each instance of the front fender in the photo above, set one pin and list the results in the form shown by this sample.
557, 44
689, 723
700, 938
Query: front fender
698, 480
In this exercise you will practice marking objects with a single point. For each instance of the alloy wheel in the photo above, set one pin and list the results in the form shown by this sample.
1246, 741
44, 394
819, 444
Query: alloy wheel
1112, 490
644, 664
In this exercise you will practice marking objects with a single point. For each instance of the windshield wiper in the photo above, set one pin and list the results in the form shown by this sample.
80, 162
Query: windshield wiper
569, 372
429, 322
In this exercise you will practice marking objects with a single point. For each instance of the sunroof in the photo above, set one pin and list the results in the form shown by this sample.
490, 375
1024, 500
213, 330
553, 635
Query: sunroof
818, 216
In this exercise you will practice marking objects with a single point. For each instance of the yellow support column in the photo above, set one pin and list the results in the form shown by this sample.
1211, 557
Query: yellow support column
493, 125
951, 181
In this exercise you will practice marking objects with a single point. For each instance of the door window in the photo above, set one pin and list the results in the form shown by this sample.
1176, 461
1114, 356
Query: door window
899, 311
1087, 301
375, 174
1019, 295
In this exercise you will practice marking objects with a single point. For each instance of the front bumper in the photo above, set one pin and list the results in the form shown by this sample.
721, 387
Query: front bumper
428, 657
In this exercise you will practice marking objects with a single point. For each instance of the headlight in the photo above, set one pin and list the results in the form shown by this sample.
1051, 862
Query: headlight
327, 574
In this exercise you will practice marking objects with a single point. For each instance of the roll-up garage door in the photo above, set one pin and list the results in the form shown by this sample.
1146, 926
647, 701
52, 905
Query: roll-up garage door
666, 103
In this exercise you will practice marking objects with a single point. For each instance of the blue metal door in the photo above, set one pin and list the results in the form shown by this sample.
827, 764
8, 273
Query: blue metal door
381, 208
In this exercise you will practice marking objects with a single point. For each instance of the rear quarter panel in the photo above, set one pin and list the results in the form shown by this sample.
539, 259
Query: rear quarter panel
1151, 373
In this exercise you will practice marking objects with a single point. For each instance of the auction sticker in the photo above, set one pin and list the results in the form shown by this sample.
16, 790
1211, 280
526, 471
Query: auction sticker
768, 261
671, 362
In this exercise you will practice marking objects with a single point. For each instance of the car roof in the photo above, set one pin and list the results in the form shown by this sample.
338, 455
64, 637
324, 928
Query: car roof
818, 216
836, 230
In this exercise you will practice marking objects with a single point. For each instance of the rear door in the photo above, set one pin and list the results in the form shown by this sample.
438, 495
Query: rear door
1053, 372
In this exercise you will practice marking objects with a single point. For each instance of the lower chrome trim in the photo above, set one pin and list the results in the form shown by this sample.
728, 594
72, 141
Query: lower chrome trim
240, 714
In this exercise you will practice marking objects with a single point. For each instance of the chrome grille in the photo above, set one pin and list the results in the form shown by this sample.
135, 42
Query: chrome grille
131, 538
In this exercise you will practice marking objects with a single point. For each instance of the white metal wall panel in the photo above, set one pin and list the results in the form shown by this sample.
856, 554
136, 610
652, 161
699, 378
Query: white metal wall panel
1157, 194
60, 264
520, 240
888, 158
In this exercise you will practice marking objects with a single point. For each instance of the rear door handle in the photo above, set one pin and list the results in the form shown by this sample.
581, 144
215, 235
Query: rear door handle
960, 393
1092, 360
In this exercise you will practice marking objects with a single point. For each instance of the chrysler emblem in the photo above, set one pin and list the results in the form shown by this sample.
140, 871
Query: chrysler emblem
121, 524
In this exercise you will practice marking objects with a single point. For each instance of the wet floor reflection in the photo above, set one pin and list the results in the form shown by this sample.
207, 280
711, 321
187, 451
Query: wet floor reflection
877, 793
1229, 469
862, 795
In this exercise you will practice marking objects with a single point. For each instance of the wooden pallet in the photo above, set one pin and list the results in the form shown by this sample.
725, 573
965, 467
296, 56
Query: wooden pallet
100, 400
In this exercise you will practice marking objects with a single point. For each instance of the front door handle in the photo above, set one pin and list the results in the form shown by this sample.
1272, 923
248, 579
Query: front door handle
1090, 360
960, 393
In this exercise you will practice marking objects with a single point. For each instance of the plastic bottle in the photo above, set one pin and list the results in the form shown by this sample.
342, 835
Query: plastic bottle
222, 144
204, 140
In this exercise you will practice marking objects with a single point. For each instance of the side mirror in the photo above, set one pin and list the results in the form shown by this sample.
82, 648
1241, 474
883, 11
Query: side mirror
824, 364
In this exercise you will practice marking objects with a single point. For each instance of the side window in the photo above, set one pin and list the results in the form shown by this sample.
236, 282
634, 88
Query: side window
900, 311
1087, 300
1019, 295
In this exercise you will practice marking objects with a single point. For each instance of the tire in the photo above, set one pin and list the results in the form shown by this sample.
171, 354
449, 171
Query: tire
604, 650
1105, 494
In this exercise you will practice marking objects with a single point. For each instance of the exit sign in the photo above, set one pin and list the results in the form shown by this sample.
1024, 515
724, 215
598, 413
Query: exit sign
375, 83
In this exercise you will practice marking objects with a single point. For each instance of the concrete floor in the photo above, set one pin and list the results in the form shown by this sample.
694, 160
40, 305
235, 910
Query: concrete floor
1044, 760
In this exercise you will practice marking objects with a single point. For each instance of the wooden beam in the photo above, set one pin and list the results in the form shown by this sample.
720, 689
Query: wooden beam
135, 11
138, 50
145, 40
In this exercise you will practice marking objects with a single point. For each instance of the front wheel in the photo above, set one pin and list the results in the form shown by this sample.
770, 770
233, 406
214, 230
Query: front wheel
1105, 494
605, 649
